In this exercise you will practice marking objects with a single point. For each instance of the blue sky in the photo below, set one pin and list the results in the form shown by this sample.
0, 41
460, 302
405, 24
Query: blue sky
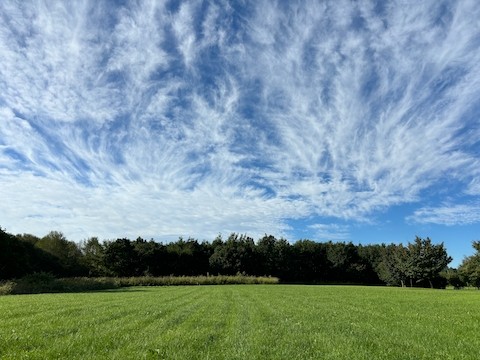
328, 120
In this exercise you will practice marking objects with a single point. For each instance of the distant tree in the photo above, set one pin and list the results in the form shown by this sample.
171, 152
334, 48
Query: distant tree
67, 252
419, 264
29, 238
453, 278
120, 258
345, 263
426, 261
470, 267
309, 262
267, 258
188, 257
371, 257
392, 268
19, 258
283, 254
154, 257
93, 257
236, 255
273, 257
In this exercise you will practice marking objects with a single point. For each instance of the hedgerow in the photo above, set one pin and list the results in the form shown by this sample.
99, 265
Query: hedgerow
47, 283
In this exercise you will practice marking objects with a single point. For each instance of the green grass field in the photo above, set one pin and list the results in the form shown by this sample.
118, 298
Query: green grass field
243, 322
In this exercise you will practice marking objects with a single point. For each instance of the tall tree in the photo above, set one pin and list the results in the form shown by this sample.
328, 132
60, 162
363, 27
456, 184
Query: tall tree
236, 255
426, 260
309, 261
29, 238
393, 266
470, 267
93, 257
19, 258
120, 258
68, 253
370, 257
345, 263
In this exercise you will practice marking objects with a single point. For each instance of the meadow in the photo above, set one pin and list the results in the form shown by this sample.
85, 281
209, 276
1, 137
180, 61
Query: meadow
242, 322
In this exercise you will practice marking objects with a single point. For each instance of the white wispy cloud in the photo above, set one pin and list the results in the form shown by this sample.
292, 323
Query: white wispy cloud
161, 120
448, 214
369, 123
331, 232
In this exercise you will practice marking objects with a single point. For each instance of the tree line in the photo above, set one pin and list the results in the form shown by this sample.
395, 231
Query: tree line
419, 263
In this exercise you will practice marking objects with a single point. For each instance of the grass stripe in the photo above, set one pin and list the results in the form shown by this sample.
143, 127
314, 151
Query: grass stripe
243, 321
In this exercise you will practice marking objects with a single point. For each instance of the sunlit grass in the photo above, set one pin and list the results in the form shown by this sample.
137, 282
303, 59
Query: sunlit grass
243, 322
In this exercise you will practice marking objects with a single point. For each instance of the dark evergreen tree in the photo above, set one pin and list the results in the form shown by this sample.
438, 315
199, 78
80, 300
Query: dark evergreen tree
470, 267
236, 255
273, 257
393, 266
309, 262
370, 257
426, 261
120, 258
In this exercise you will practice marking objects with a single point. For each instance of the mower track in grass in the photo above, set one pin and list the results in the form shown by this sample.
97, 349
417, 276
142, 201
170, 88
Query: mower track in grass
243, 322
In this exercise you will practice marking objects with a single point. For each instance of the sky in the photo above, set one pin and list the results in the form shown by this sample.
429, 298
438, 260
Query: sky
328, 120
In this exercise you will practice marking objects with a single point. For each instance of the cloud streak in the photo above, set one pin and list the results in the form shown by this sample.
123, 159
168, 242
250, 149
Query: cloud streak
194, 118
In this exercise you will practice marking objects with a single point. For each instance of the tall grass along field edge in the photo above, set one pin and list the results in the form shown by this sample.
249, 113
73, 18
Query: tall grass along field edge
46, 283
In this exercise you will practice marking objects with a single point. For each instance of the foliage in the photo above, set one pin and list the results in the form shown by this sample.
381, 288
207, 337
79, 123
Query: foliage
93, 254
47, 283
426, 261
273, 257
120, 258
453, 278
242, 322
370, 258
393, 267
35, 283
67, 252
19, 258
305, 261
470, 267
235, 255
7, 287
419, 263
195, 280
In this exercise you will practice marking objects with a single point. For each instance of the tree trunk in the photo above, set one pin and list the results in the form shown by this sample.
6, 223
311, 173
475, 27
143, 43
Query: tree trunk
431, 285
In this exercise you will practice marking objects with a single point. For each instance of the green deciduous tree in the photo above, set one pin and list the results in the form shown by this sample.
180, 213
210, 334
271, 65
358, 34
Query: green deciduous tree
19, 258
93, 257
67, 252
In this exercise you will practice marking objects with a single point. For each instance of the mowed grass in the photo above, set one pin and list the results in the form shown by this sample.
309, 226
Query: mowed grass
243, 322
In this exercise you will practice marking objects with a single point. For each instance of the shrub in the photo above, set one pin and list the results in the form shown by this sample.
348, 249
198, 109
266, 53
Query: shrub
80, 284
453, 278
35, 283
47, 283
6, 287
193, 280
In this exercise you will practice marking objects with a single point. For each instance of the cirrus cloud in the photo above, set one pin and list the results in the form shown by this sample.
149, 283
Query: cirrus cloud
193, 118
